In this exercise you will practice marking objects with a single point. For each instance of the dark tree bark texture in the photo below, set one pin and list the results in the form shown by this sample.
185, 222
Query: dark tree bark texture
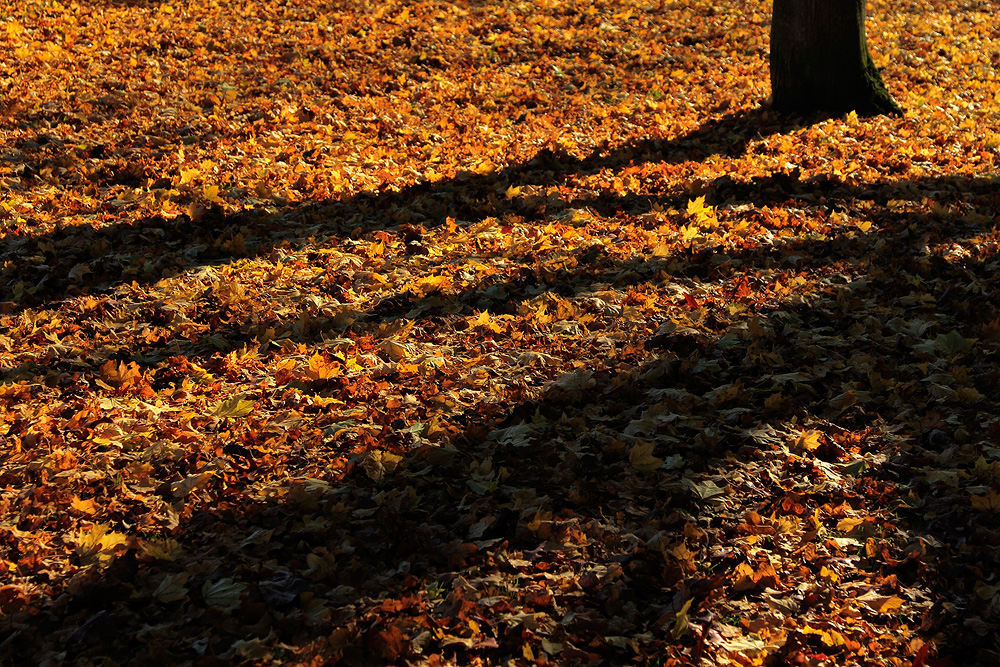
820, 59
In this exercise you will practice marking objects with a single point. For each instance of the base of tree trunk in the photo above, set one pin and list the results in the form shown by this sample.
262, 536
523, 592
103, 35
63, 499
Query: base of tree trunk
820, 59
868, 96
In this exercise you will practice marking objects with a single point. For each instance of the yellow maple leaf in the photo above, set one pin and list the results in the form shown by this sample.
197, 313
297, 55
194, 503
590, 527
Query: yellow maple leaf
808, 440
321, 368
662, 250
395, 350
696, 206
98, 544
890, 605
701, 213
858, 527
484, 321
188, 175
237, 406
682, 624
830, 637
882, 604
689, 232
485, 167
191, 483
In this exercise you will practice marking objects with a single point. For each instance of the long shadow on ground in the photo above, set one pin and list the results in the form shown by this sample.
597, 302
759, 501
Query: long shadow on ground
41, 270
539, 523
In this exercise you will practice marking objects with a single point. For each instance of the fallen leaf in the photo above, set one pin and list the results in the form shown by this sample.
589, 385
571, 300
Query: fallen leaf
641, 457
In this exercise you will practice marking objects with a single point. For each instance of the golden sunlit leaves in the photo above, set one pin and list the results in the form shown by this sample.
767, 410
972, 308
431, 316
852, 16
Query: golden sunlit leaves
746, 577
702, 217
858, 526
431, 284
211, 194
191, 483
689, 232
396, 350
188, 175
462, 332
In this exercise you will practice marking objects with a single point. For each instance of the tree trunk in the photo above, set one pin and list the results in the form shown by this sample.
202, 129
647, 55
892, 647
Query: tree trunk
820, 59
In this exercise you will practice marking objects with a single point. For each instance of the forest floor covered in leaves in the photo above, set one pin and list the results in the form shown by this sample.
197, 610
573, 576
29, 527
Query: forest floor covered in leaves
481, 333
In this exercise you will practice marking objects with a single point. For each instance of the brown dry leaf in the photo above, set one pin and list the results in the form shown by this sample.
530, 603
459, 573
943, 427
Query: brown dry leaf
641, 457
387, 644
223, 593
191, 483
167, 549
172, 588
378, 463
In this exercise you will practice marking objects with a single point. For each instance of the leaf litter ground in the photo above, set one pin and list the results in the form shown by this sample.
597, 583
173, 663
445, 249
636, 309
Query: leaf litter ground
486, 333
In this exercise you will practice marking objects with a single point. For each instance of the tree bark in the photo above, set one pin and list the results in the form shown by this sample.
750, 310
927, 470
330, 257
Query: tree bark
820, 59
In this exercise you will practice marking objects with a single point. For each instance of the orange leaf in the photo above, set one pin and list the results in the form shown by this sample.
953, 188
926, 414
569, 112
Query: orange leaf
85, 506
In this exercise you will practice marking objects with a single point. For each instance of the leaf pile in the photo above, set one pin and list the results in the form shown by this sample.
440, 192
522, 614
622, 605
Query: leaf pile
479, 332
